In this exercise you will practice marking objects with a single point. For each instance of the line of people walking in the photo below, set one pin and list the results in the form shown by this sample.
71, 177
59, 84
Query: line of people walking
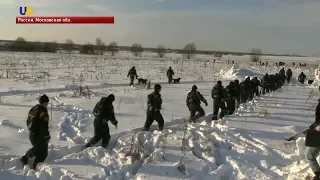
227, 99
224, 99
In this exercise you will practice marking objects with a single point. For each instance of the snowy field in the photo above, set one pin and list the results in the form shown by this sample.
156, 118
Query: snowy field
246, 145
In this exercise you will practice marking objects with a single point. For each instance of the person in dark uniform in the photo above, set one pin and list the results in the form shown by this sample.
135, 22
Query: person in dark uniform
218, 95
277, 81
231, 97
103, 112
256, 84
250, 87
237, 91
154, 107
302, 77
282, 72
193, 101
245, 90
273, 86
281, 80
39, 136
312, 153
170, 73
289, 75
132, 74
265, 84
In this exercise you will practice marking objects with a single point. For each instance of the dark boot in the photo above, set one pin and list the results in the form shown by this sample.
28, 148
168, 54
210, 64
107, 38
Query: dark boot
34, 166
215, 117
145, 129
87, 145
160, 128
24, 160
316, 176
104, 146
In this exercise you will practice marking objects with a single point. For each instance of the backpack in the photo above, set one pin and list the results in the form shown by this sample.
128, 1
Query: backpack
230, 91
99, 106
32, 116
218, 92
193, 98
243, 87
289, 73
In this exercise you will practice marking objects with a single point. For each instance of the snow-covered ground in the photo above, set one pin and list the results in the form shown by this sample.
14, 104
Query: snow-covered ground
247, 145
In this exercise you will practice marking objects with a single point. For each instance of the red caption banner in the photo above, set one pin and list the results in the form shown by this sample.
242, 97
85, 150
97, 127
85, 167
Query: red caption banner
65, 20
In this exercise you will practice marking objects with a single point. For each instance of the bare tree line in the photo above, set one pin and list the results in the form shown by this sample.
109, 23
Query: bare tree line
136, 49
100, 48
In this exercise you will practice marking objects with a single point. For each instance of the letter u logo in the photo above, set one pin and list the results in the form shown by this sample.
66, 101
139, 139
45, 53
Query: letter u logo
23, 10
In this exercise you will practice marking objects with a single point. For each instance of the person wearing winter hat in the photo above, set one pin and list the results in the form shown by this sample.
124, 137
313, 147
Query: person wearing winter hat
132, 74
193, 102
312, 153
103, 112
170, 73
39, 136
218, 95
153, 110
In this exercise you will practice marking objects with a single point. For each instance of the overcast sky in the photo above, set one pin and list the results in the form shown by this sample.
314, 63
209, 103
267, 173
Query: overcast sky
275, 26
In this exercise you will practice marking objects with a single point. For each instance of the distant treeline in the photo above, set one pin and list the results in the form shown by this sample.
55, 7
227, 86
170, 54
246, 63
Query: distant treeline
22, 45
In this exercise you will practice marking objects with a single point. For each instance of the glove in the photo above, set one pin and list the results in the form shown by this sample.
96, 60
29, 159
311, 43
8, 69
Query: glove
305, 131
115, 123
150, 109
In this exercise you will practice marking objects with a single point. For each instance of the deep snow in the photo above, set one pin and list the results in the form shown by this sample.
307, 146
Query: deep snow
247, 145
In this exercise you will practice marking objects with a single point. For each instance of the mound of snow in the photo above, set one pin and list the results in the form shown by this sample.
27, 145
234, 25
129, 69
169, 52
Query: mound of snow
301, 148
237, 73
316, 81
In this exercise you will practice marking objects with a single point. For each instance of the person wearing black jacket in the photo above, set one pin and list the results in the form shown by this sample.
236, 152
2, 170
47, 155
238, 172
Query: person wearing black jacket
250, 87
154, 107
170, 73
280, 80
237, 92
132, 74
193, 102
312, 153
289, 75
302, 77
256, 84
230, 99
265, 82
282, 72
39, 136
284, 78
218, 95
272, 83
103, 112
245, 89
